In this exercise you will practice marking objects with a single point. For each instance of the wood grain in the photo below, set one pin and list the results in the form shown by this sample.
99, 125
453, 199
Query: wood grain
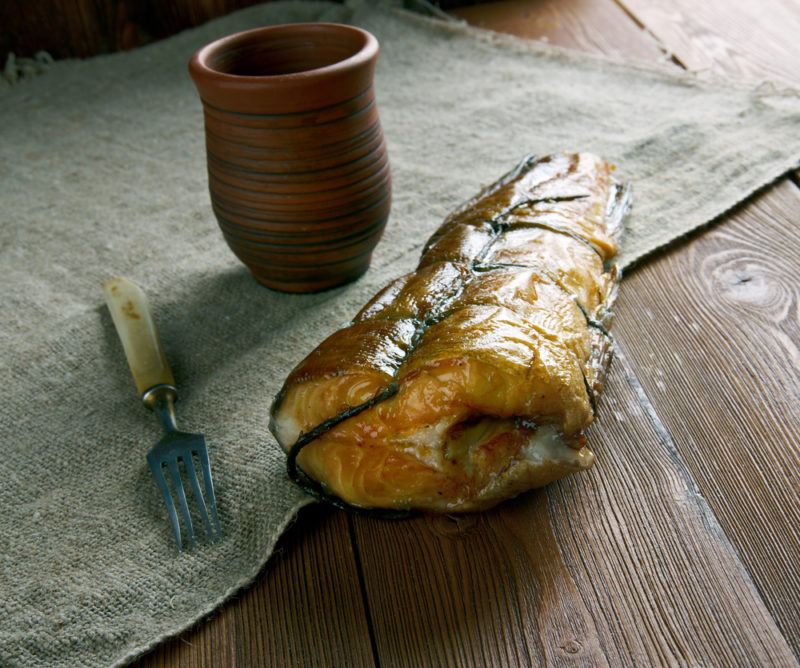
713, 329
589, 25
306, 609
83, 28
748, 38
32, 26
622, 565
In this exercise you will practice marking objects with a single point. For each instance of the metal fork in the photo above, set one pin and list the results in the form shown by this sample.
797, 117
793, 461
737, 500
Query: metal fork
154, 381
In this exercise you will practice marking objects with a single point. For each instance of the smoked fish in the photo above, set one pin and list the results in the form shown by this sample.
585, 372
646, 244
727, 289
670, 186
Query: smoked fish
473, 378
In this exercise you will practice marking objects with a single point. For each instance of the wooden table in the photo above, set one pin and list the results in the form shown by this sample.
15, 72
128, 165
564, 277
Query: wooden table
682, 545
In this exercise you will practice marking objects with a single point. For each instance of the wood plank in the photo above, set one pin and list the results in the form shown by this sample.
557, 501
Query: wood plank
305, 609
738, 37
621, 565
726, 330
76, 30
572, 23
83, 28
713, 329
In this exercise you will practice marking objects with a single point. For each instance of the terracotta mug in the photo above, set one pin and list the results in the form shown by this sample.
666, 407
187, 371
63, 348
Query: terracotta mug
297, 165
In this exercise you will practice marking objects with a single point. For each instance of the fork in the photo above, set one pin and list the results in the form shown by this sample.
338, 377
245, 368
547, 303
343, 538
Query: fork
155, 383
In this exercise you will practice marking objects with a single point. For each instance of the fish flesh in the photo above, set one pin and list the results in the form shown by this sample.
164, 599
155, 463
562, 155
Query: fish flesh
473, 378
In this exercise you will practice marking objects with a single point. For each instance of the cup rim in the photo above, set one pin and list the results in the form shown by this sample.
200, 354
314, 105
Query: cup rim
199, 63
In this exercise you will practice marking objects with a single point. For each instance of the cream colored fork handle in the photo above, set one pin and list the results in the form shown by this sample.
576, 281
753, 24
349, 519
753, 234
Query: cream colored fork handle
136, 329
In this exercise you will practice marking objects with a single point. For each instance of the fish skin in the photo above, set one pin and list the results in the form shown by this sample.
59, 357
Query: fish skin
473, 378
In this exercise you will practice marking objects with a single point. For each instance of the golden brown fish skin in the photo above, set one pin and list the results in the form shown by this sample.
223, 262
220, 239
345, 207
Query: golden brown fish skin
347, 369
416, 295
570, 191
474, 377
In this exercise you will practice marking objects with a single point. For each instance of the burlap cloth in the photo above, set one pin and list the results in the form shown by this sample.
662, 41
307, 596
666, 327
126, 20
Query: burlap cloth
102, 167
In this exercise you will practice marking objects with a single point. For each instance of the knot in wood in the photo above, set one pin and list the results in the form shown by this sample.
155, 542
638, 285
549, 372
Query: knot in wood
571, 647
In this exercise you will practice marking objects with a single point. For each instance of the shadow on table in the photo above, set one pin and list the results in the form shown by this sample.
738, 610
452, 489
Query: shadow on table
218, 318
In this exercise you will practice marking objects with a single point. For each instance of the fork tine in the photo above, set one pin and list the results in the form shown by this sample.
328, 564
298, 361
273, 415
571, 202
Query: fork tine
202, 454
172, 465
161, 483
191, 473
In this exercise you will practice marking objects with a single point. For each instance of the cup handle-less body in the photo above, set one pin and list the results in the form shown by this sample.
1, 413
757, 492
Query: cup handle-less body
137, 331
299, 174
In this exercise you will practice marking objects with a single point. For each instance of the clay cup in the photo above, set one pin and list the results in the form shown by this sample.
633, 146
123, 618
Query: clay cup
297, 164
